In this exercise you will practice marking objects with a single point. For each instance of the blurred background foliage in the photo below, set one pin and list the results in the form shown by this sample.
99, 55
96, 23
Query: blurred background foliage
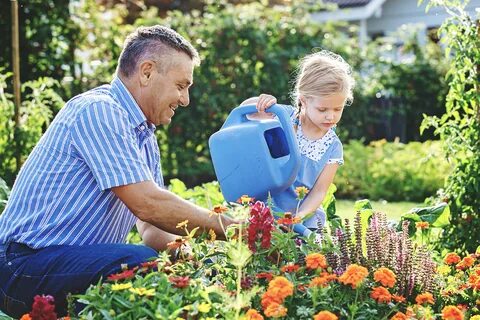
247, 47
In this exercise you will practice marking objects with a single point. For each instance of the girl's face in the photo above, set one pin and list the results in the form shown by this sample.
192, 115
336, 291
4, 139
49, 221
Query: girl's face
323, 112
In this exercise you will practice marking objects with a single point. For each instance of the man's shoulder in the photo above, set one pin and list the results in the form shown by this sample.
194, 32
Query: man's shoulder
99, 99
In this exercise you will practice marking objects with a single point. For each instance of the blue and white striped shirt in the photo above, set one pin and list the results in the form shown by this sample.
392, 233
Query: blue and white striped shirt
99, 140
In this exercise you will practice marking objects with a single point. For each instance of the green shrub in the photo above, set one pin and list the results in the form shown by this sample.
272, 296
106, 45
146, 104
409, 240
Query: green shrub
459, 127
391, 171
4, 194
40, 98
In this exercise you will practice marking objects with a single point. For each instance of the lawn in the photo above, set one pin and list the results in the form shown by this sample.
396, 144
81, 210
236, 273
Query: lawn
394, 210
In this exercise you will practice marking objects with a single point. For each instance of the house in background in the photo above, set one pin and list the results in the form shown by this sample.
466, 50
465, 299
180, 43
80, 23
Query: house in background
383, 17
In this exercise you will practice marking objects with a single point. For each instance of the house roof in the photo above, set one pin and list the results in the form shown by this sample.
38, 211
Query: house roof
349, 3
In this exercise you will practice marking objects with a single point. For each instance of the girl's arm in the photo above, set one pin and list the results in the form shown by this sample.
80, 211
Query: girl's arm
315, 197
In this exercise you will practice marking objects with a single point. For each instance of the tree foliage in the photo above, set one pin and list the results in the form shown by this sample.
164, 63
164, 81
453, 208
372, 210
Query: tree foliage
459, 127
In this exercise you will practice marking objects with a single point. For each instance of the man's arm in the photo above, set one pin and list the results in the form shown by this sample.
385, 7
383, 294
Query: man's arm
164, 210
154, 237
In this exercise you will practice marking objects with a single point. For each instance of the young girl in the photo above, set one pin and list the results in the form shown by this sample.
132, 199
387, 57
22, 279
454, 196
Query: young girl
323, 87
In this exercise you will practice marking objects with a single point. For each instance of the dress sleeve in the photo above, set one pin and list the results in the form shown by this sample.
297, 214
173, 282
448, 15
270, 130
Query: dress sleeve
336, 156
104, 138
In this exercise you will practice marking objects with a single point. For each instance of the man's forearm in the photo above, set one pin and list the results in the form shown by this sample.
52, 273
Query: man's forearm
164, 210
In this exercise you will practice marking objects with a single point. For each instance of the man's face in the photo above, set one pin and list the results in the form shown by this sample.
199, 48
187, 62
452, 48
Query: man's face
163, 91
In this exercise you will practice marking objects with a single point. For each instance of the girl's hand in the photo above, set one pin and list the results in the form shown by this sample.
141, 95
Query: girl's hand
263, 102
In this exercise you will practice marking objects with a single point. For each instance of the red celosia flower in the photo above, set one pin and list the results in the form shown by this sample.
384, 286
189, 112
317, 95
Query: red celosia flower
290, 268
43, 308
179, 282
260, 226
265, 275
127, 274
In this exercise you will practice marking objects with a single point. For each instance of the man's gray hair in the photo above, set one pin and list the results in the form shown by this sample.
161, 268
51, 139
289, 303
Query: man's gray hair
152, 42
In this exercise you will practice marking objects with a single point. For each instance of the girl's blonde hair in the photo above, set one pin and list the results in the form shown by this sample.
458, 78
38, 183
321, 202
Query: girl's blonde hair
323, 74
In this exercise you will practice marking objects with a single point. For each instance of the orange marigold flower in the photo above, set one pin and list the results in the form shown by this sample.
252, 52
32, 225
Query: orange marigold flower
381, 294
219, 209
451, 258
253, 314
398, 299
466, 262
385, 276
325, 315
281, 287
474, 281
399, 316
26, 316
268, 298
276, 310
290, 268
322, 280
315, 261
422, 225
354, 275
452, 313
426, 297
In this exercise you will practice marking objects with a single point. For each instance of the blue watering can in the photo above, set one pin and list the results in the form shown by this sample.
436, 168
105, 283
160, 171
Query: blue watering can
254, 157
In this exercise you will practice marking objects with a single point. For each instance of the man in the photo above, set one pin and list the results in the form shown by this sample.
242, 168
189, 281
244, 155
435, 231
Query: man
94, 173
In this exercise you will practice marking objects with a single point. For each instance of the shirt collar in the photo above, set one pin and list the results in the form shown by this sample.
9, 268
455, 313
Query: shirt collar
129, 104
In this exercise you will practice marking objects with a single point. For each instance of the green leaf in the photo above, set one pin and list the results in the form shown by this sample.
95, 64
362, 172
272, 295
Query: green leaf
238, 253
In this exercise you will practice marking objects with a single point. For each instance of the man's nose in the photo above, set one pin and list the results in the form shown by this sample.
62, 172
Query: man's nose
184, 100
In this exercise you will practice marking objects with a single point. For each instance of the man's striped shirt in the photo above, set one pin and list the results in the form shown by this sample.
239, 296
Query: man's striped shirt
99, 140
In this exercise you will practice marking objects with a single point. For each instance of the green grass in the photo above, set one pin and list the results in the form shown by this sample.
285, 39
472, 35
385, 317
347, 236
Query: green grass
393, 210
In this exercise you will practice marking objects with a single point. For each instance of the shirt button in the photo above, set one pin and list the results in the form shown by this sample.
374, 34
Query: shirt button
142, 127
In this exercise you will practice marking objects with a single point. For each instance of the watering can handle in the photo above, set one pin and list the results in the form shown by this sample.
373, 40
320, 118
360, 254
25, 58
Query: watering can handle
238, 115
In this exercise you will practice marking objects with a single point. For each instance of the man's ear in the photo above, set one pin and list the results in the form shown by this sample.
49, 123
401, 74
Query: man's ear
146, 69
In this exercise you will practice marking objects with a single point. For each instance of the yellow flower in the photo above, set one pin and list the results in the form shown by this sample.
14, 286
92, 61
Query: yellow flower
182, 224
244, 199
444, 270
204, 307
477, 317
143, 291
301, 192
211, 236
121, 286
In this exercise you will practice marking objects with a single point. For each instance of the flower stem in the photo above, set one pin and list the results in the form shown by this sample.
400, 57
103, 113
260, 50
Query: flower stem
239, 276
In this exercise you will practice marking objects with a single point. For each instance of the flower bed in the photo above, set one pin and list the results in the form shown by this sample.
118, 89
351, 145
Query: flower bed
264, 271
